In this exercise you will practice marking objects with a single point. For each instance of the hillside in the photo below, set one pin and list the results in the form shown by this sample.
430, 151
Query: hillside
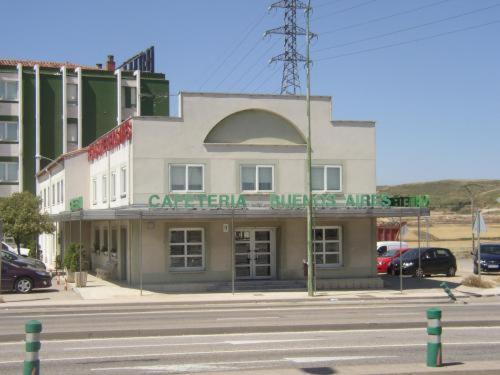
451, 195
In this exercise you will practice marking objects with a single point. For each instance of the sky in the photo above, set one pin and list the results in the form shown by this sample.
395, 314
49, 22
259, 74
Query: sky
427, 71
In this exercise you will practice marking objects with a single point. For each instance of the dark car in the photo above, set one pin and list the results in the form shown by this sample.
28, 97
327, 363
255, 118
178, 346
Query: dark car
23, 279
433, 260
490, 258
22, 261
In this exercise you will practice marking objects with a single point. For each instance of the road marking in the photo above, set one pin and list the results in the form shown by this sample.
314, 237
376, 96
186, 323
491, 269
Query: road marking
250, 318
107, 357
333, 359
398, 314
249, 342
335, 332
230, 365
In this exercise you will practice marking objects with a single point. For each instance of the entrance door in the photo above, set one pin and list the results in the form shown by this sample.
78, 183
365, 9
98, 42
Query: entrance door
254, 256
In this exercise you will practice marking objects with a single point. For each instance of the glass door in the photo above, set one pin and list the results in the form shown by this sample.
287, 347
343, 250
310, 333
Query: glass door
254, 253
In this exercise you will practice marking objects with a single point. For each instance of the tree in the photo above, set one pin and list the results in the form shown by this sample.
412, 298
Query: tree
22, 219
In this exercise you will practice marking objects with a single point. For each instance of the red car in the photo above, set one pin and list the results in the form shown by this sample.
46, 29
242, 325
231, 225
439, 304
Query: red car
384, 260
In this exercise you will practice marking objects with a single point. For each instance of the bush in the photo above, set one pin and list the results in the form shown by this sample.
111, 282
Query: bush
72, 258
478, 282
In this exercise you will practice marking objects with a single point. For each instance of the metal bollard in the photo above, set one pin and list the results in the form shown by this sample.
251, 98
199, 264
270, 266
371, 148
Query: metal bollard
434, 330
32, 361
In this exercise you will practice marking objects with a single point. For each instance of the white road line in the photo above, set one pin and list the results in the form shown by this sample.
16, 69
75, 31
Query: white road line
398, 314
158, 312
333, 359
249, 342
250, 318
230, 365
107, 357
335, 332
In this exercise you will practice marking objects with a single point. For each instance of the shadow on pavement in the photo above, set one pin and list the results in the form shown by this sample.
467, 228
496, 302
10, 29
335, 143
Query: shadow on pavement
409, 282
318, 370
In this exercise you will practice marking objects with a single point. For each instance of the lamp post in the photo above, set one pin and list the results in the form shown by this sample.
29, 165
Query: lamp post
310, 258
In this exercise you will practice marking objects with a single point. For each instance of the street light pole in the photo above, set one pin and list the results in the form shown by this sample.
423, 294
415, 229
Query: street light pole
310, 258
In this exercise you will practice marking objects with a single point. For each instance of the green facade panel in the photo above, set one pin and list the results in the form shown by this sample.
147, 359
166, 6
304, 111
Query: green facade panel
154, 97
28, 166
50, 116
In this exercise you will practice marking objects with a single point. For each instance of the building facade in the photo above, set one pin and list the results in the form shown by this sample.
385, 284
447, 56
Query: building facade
218, 195
48, 109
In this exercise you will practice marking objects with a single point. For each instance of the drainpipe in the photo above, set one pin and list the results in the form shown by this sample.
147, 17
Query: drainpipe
80, 89
137, 75
118, 74
36, 68
64, 110
21, 126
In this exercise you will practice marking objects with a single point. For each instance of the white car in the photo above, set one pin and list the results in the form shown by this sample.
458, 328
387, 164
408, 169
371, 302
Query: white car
13, 248
383, 246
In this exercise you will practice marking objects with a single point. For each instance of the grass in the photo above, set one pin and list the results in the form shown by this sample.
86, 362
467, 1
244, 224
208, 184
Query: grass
478, 282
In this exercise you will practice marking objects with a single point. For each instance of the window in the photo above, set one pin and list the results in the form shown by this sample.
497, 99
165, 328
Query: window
8, 90
113, 186
327, 242
53, 194
62, 191
9, 171
186, 177
8, 131
72, 94
97, 239
326, 178
44, 202
123, 182
94, 191
104, 189
72, 136
58, 192
257, 178
186, 249
129, 97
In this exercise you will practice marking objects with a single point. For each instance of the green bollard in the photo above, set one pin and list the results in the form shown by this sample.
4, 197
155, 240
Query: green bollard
32, 361
434, 349
448, 291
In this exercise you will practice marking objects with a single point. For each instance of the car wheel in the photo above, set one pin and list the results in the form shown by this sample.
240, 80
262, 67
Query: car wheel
24, 285
475, 270
451, 271
419, 272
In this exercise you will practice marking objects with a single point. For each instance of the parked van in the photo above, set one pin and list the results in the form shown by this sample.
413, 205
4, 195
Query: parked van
383, 246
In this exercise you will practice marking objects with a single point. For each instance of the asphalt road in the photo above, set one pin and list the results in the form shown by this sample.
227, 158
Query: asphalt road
325, 336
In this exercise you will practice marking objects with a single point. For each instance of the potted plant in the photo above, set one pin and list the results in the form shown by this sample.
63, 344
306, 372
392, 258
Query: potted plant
104, 250
75, 272
97, 250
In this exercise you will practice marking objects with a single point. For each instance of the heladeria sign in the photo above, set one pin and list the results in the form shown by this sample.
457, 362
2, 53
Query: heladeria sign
286, 200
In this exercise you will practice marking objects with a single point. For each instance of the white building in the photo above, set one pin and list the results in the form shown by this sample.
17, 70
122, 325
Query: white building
191, 202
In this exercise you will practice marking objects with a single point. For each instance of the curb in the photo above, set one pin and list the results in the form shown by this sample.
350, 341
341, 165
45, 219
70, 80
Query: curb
237, 329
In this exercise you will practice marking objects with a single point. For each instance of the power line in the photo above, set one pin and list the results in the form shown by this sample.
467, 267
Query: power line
373, 20
255, 24
267, 78
345, 9
235, 82
408, 41
407, 28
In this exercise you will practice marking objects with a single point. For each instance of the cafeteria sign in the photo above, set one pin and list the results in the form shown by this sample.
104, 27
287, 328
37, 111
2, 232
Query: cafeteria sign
286, 200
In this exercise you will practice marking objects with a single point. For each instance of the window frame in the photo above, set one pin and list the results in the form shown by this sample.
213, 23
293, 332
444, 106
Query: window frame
186, 177
257, 167
325, 177
4, 132
324, 252
71, 102
123, 182
185, 256
5, 83
4, 178
94, 191
104, 188
112, 186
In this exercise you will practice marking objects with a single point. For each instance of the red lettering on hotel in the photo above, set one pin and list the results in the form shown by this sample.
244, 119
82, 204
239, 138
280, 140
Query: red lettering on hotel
110, 141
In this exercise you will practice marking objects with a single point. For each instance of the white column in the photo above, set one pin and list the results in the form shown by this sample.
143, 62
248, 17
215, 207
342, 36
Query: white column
118, 74
20, 125
80, 106
37, 117
137, 75
64, 110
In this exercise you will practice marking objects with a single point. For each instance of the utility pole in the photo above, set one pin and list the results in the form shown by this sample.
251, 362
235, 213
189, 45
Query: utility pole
290, 81
310, 257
